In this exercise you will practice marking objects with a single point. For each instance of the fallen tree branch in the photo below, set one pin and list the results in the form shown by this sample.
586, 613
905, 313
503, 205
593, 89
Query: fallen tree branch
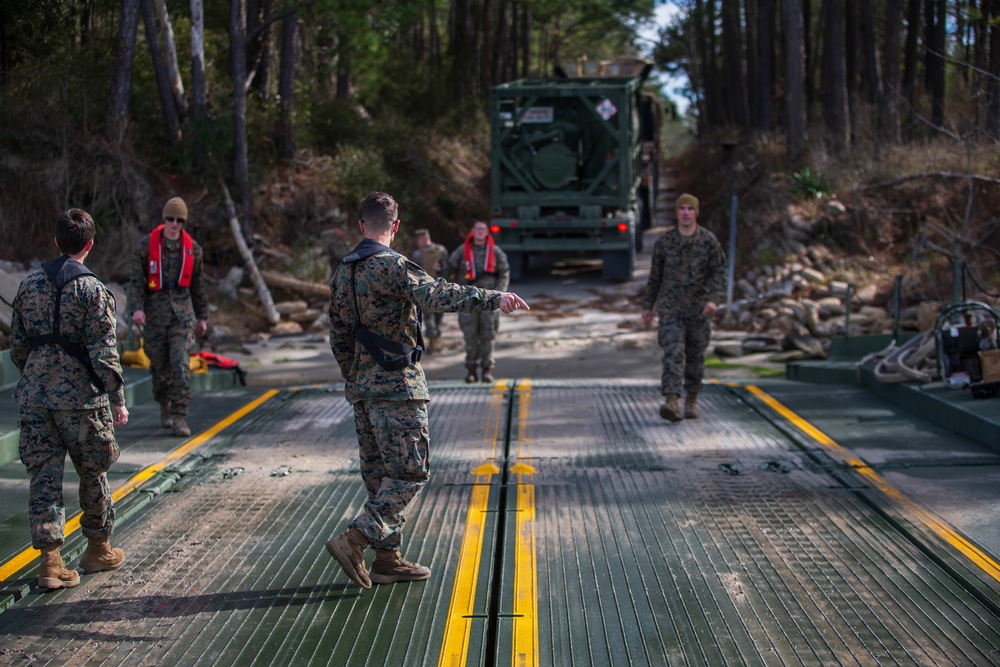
931, 174
304, 287
241, 244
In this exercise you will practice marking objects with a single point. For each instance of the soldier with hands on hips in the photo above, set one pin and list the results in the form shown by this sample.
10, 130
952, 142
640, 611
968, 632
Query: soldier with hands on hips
687, 281
432, 258
376, 301
70, 398
167, 297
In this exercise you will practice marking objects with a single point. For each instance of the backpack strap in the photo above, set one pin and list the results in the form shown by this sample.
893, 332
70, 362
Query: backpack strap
400, 355
60, 273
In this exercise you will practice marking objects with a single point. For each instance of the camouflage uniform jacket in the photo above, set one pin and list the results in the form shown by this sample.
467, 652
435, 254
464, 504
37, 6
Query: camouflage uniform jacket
390, 289
430, 255
187, 303
50, 377
686, 273
499, 280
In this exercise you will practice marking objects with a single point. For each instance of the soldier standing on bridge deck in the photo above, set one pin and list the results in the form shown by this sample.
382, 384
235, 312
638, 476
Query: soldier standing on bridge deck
687, 281
375, 303
479, 262
167, 296
70, 397
432, 257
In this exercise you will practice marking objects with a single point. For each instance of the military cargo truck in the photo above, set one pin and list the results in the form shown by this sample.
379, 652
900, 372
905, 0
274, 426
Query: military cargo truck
569, 169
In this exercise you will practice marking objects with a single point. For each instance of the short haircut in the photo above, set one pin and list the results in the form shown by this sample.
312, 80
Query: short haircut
378, 211
74, 229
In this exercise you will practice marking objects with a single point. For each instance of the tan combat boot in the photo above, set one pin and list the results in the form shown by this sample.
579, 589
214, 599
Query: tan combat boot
181, 429
691, 405
487, 375
53, 572
670, 410
349, 550
471, 377
99, 556
390, 567
166, 421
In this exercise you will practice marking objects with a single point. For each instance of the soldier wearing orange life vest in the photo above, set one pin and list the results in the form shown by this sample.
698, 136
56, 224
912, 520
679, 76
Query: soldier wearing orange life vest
167, 297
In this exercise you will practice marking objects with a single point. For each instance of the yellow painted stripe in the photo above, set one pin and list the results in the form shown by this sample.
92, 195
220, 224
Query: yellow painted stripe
458, 626
24, 558
525, 630
525, 581
921, 515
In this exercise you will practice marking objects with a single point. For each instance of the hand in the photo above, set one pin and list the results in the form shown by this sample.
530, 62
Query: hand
200, 328
710, 308
139, 317
121, 414
510, 302
647, 318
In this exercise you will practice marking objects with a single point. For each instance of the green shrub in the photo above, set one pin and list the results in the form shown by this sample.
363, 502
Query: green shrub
807, 184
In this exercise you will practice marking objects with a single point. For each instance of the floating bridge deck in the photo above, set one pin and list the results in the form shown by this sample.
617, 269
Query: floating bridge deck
565, 524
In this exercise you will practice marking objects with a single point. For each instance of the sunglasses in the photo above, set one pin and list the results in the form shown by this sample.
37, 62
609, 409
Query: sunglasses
177, 220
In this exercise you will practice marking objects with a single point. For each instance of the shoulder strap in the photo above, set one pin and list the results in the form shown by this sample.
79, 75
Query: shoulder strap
60, 273
400, 355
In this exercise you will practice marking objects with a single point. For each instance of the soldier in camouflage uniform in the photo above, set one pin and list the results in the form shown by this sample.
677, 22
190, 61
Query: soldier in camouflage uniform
167, 296
687, 281
432, 258
479, 262
381, 293
70, 397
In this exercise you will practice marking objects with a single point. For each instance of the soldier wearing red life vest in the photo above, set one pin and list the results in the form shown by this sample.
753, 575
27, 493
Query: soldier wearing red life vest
167, 297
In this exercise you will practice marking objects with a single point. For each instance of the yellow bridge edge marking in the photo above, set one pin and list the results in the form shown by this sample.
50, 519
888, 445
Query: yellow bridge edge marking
939, 527
22, 559
525, 630
458, 626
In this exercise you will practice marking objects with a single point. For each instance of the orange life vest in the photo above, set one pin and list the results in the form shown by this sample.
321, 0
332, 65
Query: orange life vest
156, 259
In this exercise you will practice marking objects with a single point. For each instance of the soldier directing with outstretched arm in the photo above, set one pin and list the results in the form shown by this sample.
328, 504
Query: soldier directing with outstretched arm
376, 300
479, 262
167, 297
70, 397
687, 281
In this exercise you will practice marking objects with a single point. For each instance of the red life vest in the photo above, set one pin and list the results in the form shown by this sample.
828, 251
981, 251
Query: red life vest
155, 269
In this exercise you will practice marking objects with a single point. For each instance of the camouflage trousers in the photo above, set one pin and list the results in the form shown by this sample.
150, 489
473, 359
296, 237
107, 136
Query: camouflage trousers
169, 350
89, 438
394, 449
432, 325
684, 339
480, 331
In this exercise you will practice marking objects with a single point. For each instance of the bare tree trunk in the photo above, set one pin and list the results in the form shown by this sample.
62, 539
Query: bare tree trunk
173, 69
241, 245
889, 101
910, 58
765, 39
237, 56
732, 51
259, 50
343, 66
286, 87
869, 44
121, 82
160, 68
835, 113
938, 77
199, 91
993, 86
752, 54
807, 46
795, 97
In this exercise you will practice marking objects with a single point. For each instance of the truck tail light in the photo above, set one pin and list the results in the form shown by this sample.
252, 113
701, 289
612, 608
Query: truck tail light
622, 227
495, 229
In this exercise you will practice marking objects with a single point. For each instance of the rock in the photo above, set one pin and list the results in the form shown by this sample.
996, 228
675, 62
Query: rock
286, 308
926, 315
812, 348
286, 329
829, 307
838, 288
729, 350
835, 209
231, 283
304, 316
813, 276
761, 344
867, 294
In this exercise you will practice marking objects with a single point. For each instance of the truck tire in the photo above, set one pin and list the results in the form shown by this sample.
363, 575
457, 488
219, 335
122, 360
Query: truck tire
619, 265
516, 261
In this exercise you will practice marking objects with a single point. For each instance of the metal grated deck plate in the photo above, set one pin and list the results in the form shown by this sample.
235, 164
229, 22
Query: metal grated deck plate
625, 541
